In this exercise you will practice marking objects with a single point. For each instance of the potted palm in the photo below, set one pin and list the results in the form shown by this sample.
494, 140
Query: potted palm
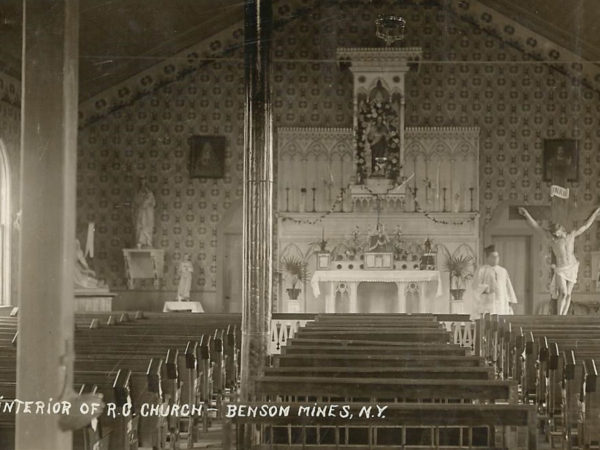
460, 268
297, 269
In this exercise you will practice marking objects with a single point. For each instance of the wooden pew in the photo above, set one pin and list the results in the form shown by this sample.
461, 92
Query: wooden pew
135, 341
295, 430
551, 351
380, 389
316, 359
405, 358
429, 373
406, 335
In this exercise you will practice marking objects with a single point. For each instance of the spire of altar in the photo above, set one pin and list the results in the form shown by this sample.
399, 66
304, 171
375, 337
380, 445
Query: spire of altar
379, 109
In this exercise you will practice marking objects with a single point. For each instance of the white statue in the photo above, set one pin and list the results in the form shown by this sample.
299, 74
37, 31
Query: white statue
144, 204
84, 277
185, 270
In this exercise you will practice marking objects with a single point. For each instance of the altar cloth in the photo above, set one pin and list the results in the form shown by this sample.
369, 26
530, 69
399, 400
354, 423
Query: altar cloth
195, 307
375, 276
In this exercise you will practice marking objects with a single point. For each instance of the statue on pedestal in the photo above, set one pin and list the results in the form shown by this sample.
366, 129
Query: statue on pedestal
144, 204
185, 270
377, 136
84, 277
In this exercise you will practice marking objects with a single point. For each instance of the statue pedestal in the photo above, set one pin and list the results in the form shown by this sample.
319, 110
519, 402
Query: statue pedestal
144, 263
93, 300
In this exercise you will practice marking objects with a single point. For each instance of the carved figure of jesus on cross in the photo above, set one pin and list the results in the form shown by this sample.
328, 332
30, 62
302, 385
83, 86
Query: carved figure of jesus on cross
559, 167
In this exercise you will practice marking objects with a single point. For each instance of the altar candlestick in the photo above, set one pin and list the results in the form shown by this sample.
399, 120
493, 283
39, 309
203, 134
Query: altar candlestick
415, 198
302, 207
444, 199
437, 182
314, 189
287, 199
471, 189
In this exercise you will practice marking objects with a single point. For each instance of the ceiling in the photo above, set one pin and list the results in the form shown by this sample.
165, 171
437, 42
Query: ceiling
573, 24
119, 38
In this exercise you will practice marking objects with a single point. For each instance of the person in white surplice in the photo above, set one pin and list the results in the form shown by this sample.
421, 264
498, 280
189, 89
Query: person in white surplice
494, 292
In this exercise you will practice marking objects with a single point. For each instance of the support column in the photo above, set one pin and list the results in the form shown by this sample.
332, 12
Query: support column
257, 287
353, 298
423, 306
330, 298
48, 191
401, 297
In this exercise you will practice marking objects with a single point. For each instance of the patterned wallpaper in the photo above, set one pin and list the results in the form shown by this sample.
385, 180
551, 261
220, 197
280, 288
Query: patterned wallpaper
514, 99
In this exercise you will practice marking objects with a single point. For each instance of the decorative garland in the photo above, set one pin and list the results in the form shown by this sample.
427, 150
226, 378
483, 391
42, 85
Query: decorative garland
433, 219
335, 204
368, 113
339, 198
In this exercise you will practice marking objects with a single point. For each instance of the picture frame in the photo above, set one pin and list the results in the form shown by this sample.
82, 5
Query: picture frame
207, 156
561, 160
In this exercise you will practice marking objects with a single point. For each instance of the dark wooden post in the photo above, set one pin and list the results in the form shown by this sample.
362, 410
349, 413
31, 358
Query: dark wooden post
48, 191
258, 226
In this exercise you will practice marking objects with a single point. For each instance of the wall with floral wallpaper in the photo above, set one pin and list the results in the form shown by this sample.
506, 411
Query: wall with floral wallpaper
515, 100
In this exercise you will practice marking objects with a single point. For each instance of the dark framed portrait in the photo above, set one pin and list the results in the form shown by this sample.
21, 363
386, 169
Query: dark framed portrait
561, 160
207, 156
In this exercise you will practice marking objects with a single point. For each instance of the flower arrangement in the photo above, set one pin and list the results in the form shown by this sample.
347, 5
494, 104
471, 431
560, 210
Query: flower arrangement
399, 246
460, 268
354, 245
298, 271
368, 114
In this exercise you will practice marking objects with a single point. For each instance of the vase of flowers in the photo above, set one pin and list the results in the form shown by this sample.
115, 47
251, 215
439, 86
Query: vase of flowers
298, 272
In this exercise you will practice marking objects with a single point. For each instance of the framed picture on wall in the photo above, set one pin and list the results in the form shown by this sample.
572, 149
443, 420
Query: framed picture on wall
561, 160
207, 156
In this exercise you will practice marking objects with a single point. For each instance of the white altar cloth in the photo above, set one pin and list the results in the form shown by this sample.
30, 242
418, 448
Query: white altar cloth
352, 278
195, 307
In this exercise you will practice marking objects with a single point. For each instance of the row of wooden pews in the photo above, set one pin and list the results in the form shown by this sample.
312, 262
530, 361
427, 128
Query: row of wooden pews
554, 359
139, 362
421, 391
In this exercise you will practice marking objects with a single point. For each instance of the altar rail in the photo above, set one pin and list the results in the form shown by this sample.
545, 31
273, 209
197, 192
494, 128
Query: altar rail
285, 325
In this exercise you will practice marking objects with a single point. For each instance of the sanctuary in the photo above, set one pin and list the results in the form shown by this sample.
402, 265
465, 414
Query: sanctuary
350, 185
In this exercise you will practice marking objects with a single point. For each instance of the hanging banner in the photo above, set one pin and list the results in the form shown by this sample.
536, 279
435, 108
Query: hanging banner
560, 192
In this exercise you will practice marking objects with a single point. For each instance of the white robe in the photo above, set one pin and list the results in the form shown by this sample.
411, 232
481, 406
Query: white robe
493, 290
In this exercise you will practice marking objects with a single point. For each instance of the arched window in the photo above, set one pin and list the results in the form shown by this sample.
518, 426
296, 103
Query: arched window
5, 227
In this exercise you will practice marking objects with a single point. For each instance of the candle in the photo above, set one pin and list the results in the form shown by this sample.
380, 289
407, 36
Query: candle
302, 200
437, 181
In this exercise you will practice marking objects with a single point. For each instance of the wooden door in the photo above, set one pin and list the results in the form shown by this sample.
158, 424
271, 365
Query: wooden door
232, 272
515, 256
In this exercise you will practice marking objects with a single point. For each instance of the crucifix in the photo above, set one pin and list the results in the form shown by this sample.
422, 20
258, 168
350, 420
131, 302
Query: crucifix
561, 240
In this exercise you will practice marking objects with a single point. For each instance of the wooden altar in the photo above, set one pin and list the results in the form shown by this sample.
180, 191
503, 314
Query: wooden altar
347, 281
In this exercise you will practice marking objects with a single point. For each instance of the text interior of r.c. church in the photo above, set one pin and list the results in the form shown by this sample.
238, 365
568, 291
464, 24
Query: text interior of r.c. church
285, 224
